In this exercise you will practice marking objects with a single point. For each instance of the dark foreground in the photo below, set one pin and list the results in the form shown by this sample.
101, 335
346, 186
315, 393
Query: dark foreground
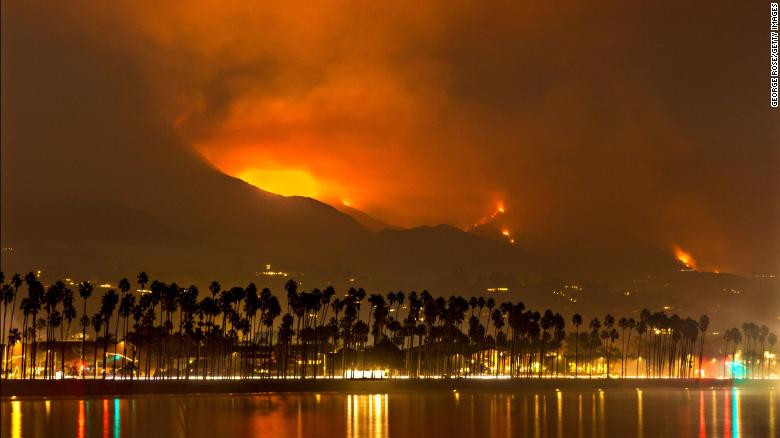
89, 388
660, 412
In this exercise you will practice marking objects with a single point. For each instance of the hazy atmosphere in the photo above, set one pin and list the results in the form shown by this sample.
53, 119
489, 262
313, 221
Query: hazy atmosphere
654, 131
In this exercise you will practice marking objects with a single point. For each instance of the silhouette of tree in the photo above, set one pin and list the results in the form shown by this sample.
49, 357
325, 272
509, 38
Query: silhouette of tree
107, 306
85, 291
232, 333
576, 321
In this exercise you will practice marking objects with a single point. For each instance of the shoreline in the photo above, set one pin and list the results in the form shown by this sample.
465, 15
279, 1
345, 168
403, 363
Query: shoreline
12, 389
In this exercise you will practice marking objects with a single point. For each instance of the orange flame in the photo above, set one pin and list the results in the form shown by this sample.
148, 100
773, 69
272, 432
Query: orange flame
500, 209
685, 258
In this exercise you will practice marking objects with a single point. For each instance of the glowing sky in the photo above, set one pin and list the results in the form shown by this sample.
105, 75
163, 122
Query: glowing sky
648, 122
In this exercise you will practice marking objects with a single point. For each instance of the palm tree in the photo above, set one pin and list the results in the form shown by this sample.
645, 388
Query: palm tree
609, 323
736, 339
631, 327
69, 314
143, 280
35, 295
576, 321
704, 323
284, 337
771, 340
497, 317
594, 325
97, 323
522, 339
10, 295
272, 311
613, 336
107, 305
641, 329
734, 336
124, 287
126, 306
51, 299
85, 291
763, 332
6, 295
623, 324
14, 336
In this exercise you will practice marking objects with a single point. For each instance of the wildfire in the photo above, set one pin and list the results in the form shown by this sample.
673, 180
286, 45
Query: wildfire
506, 233
685, 258
346, 202
500, 209
285, 182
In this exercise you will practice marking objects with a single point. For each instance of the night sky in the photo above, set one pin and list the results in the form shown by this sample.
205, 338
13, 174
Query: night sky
599, 122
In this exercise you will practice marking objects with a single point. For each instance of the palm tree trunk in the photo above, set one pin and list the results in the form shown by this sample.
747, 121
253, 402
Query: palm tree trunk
10, 327
62, 356
576, 351
2, 336
83, 339
105, 346
34, 345
638, 354
116, 342
94, 361
46, 356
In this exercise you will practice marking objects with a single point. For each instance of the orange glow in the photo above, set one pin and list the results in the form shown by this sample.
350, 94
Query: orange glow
500, 209
684, 257
285, 182
346, 203
424, 126
81, 419
505, 232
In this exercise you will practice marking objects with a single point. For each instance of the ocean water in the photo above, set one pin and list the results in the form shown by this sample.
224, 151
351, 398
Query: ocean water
648, 413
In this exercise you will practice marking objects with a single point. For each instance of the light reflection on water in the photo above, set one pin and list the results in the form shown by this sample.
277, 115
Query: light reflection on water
728, 412
16, 419
367, 415
735, 417
640, 426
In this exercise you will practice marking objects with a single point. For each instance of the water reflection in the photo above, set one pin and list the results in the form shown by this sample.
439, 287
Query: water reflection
367, 415
593, 415
714, 413
536, 415
16, 419
735, 414
559, 398
105, 418
508, 416
82, 420
117, 419
697, 413
702, 420
726, 413
640, 426
602, 428
772, 413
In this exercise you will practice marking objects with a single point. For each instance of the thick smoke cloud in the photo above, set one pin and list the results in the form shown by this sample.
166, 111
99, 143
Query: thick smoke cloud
593, 124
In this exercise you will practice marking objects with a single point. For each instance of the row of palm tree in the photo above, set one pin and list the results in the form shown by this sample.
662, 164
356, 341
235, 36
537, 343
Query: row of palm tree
163, 331
756, 361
